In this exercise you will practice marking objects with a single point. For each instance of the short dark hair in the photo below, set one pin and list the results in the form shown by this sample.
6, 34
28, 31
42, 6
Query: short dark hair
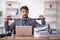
24, 7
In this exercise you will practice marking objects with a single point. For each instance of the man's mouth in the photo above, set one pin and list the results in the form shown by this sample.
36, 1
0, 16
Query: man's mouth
25, 16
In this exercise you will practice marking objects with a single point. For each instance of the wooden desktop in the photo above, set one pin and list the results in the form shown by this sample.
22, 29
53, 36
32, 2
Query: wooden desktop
51, 37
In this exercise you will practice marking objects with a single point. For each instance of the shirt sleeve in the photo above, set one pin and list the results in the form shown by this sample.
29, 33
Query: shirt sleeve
11, 27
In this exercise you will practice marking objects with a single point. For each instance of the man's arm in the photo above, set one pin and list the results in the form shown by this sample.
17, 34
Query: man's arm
11, 27
43, 22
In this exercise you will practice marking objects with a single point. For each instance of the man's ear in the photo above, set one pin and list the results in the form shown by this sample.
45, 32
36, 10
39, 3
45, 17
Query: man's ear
28, 12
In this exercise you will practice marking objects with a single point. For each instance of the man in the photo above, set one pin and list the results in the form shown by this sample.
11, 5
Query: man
25, 21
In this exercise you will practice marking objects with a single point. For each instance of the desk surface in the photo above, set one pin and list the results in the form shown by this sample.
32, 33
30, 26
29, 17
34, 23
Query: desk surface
31, 38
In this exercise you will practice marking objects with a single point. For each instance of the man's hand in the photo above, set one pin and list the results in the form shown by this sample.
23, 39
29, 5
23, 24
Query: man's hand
41, 17
8, 17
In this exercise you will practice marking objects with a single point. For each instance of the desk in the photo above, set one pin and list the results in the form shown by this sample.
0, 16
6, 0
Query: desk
51, 37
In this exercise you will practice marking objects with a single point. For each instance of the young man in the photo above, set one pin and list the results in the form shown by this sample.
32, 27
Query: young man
25, 21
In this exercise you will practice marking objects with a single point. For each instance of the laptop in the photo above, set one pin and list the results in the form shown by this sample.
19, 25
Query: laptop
23, 30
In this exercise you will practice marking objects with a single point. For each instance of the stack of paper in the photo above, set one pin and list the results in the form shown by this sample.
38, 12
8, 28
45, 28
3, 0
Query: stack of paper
41, 31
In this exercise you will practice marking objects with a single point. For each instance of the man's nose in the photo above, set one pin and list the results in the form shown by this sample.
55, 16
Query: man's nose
25, 13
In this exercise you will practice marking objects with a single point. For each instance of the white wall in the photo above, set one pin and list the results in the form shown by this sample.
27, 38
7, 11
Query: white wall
36, 7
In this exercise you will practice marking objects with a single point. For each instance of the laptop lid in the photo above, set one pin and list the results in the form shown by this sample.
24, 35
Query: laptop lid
23, 30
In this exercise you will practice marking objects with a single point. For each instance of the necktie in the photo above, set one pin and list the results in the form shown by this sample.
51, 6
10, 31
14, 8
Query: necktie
24, 22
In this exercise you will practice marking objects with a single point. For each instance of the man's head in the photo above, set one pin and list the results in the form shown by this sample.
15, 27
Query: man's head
24, 11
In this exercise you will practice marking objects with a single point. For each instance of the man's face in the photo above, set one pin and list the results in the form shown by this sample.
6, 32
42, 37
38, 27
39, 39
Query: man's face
24, 13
